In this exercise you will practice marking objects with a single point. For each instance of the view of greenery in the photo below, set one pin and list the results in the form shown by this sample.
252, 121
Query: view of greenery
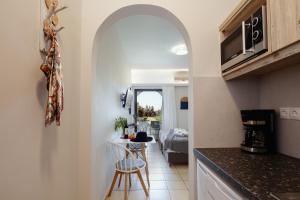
148, 113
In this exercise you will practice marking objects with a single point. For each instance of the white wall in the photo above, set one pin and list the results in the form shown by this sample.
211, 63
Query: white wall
112, 78
218, 118
281, 89
182, 115
155, 76
207, 84
37, 163
56, 161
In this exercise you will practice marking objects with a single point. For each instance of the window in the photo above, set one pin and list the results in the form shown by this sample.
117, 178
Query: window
148, 105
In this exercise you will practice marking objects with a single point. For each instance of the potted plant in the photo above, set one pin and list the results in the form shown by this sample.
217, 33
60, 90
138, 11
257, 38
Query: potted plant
121, 123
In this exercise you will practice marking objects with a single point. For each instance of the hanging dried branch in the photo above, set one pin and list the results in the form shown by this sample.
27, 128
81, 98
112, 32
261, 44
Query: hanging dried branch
51, 66
60, 29
53, 11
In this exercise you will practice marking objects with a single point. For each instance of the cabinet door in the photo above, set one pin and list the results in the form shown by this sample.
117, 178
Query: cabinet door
211, 187
201, 182
285, 22
214, 192
219, 191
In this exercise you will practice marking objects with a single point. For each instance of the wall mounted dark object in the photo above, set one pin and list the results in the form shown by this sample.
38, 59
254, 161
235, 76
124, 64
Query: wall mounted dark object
123, 99
184, 103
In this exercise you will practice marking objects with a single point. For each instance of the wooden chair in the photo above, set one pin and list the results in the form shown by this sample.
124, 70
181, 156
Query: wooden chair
154, 129
140, 151
126, 164
143, 126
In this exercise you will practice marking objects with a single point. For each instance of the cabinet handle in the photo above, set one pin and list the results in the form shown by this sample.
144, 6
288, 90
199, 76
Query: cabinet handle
244, 37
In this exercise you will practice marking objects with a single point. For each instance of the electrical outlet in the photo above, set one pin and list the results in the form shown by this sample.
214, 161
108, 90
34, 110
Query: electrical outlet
284, 113
295, 113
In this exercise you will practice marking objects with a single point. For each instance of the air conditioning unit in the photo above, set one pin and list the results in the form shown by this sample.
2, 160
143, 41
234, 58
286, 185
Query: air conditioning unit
181, 76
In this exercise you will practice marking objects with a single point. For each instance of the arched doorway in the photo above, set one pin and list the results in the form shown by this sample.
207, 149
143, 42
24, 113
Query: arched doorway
106, 88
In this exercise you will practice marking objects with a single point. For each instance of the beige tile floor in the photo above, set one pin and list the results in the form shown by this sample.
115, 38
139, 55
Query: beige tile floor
166, 183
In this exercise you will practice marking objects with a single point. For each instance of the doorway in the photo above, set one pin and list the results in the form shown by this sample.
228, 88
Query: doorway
110, 70
148, 110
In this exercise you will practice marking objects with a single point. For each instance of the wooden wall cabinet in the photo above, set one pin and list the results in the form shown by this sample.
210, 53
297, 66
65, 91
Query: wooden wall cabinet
283, 27
285, 22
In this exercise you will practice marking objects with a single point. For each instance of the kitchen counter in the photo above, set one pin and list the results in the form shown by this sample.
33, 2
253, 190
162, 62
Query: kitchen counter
253, 175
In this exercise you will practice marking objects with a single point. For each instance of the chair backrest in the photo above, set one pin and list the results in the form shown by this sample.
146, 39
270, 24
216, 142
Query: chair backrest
143, 126
155, 125
123, 158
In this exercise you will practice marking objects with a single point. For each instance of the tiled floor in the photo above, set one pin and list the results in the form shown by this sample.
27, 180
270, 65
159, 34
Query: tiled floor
166, 183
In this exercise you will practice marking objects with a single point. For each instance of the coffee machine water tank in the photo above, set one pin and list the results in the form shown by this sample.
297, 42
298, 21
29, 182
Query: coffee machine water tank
259, 126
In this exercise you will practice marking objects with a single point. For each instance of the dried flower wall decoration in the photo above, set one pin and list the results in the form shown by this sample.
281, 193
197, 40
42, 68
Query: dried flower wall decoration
51, 66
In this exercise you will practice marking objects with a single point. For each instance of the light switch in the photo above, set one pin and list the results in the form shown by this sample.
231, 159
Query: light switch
285, 113
295, 113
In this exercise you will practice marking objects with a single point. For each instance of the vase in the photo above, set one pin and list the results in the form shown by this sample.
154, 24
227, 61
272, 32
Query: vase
125, 133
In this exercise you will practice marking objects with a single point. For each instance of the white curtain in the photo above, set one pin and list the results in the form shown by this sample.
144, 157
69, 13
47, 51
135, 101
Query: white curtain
169, 119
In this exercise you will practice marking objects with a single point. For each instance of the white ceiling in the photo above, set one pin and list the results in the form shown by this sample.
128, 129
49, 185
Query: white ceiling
147, 42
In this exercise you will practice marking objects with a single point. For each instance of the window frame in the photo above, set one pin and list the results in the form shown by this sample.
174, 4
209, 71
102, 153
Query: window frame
136, 91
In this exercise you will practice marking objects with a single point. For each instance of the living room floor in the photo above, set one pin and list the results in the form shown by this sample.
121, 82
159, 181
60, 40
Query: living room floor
166, 183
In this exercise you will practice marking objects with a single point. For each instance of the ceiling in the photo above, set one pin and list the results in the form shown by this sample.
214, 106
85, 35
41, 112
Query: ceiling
147, 42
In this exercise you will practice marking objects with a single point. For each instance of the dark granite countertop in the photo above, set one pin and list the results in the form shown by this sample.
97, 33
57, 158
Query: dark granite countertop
254, 175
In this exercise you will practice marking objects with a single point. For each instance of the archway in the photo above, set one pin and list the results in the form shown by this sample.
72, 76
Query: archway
106, 88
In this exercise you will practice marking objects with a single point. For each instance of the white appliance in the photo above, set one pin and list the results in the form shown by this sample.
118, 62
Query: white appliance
211, 187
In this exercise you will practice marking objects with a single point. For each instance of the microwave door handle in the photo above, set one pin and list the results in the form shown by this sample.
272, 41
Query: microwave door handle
244, 37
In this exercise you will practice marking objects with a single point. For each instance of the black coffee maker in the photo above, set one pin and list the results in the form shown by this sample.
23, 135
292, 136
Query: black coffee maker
259, 126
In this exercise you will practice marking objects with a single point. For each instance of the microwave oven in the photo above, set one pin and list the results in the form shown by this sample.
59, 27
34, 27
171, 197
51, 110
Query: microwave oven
246, 42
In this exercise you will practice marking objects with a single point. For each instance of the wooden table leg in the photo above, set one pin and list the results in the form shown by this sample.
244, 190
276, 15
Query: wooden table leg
146, 168
120, 180
125, 188
129, 180
126, 152
142, 182
113, 184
